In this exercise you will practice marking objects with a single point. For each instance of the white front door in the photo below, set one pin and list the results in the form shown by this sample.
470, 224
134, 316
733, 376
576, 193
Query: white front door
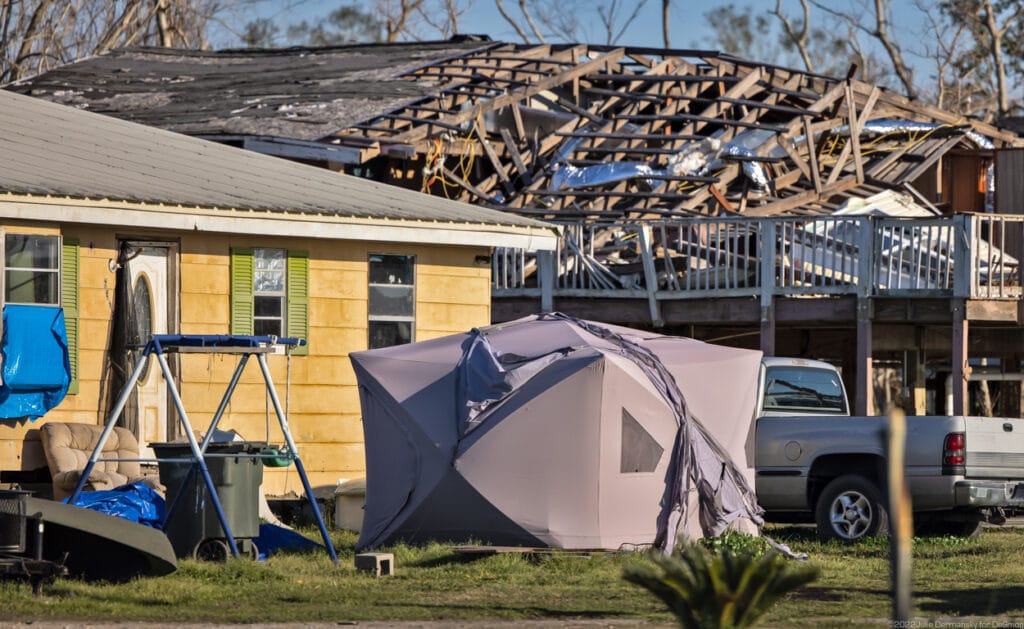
149, 274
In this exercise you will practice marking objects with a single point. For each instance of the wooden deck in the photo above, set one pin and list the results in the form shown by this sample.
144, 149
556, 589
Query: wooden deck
850, 289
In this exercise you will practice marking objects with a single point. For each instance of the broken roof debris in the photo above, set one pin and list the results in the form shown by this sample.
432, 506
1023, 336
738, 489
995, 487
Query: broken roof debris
555, 131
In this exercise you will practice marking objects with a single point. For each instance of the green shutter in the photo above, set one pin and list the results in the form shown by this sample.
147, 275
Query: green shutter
241, 291
298, 299
69, 301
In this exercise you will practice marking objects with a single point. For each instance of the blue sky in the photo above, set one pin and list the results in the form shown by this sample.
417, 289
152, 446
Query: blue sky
688, 26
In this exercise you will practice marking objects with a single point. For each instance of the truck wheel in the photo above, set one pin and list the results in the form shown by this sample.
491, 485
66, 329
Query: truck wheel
850, 508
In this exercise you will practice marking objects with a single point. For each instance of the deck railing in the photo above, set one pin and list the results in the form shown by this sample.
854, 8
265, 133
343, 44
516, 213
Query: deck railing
971, 256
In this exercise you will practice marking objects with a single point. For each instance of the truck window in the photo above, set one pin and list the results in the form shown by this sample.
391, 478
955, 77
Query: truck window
803, 389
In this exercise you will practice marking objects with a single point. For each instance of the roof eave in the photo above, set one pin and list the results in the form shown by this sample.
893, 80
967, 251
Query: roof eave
249, 222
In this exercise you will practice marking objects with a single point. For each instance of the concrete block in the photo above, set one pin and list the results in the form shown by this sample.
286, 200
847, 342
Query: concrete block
380, 564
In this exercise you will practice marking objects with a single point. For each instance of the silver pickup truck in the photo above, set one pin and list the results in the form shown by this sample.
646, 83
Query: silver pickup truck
814, 462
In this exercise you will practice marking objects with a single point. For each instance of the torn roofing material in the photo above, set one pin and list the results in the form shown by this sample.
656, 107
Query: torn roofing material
52, 150
299, 93
556, 131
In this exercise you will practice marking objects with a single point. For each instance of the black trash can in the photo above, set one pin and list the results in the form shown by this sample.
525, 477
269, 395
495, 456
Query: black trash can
194, 528
13, 521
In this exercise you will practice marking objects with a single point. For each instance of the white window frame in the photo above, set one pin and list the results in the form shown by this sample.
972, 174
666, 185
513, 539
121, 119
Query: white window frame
379, 318
281, 295
56, 271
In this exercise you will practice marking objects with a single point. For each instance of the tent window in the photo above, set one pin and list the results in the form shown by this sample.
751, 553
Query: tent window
392, 300
31, 269
640, 452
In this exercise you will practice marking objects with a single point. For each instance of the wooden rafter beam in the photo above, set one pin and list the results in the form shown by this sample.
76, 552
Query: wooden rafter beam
518, 95
789, 203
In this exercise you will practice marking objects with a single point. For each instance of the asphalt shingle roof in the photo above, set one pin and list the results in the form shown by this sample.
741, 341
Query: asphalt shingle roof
51, 149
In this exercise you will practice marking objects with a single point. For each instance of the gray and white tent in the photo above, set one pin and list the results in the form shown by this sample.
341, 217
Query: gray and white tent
553, 431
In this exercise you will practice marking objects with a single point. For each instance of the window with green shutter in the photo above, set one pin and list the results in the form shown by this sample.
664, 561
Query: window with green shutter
43, 269
31, 266
241, 291
298, 298
270, 293
69, 302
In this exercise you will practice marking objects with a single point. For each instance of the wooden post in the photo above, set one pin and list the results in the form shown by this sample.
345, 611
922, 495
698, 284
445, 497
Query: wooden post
901, 525
965, 253
768, 329
864, 402
546, 278
1019, 410
959, 357
650, 274
919, 390
767, 252
864, 395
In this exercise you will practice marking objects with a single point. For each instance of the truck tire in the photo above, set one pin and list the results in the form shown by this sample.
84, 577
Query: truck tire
850, 508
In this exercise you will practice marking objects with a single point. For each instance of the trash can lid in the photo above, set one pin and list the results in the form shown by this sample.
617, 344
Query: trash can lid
355, 487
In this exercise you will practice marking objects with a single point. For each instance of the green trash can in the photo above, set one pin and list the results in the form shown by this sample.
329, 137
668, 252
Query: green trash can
194, 529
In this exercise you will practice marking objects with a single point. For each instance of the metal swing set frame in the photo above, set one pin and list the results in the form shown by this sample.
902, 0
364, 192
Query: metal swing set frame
160, 345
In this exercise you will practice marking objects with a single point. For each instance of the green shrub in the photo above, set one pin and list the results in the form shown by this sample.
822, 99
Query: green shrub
720, 589
737, 543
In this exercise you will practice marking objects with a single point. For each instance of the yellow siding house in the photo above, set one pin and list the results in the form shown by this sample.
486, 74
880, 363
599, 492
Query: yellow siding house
134, 231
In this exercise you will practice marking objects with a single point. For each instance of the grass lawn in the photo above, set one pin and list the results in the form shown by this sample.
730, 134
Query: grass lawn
953, 577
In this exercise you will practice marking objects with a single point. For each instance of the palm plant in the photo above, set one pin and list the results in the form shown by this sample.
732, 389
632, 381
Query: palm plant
722, 589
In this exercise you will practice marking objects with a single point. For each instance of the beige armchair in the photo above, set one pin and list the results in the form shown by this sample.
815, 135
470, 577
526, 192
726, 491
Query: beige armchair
68, 447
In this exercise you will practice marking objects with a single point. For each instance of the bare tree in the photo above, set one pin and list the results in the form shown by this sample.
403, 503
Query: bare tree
944, 43
450, 11
990, 53
996, 32
664, 21
512, 21
526, 16
744, 32
797, 34
614, 27
36, 35
543, 20
396, 16
881, 31
529, 20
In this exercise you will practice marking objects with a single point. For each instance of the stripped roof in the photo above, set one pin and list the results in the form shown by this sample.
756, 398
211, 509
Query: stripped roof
49, 149
555, 131
299, 93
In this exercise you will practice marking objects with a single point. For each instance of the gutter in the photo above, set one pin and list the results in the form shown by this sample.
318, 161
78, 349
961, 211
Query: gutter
251, 222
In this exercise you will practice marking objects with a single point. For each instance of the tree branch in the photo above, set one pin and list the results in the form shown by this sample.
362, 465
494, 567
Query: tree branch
903, 71
664, 22
508, 18
529, 21
799, 39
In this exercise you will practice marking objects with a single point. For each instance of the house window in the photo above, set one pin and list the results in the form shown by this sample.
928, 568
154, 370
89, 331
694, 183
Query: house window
43, 270
31, 269
392, 300
269, 291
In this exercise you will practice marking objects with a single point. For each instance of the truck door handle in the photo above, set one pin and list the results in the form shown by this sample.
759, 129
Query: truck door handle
1008, 427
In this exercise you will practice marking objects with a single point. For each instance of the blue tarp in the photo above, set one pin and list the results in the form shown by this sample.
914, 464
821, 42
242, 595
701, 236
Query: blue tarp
135, 501
36, 371
274, 539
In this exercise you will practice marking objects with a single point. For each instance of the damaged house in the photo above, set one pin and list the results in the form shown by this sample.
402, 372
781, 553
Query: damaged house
113, 231
695, 192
